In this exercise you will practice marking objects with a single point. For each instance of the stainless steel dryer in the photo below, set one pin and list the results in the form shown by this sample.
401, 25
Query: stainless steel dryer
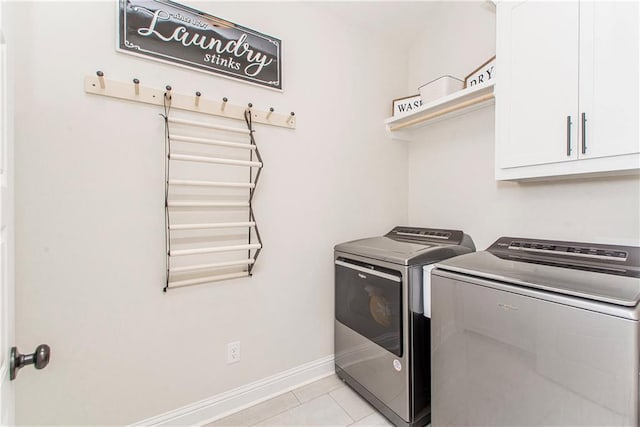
536, 332
381, 335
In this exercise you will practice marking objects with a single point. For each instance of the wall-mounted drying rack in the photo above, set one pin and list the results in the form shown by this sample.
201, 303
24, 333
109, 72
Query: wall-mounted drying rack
206, 260
206, 241
197, 102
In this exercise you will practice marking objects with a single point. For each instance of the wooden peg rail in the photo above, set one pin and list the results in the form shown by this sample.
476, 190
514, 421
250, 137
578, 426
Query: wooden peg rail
198, 102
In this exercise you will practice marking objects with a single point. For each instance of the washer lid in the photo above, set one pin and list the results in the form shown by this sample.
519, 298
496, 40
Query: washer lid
589, 284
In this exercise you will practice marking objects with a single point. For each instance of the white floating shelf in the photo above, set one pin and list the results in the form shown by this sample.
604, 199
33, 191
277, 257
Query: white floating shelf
457, 103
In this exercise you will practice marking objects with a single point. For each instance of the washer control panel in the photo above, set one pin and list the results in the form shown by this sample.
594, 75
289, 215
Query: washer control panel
624, 260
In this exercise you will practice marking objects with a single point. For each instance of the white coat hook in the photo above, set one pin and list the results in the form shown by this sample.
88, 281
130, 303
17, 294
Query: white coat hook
101, 79
132, 89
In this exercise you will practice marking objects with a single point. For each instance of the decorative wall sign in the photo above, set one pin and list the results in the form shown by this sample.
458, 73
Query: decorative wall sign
406, 105
170, 32
482, 74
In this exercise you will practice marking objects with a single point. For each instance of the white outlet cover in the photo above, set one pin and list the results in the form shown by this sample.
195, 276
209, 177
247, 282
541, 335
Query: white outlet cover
233, 352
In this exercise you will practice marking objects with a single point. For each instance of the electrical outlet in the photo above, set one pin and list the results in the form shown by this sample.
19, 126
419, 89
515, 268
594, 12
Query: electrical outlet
233, 352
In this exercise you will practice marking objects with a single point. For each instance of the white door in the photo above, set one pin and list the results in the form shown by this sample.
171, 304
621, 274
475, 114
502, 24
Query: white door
609, 79
537, 92
11, 359
6, 247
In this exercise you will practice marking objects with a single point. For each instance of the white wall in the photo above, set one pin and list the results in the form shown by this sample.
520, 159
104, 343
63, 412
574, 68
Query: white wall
458, 37
451, 163
89, 201
89, 207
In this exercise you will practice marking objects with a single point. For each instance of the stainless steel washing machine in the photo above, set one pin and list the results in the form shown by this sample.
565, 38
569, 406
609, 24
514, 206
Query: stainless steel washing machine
381, 334
536, 332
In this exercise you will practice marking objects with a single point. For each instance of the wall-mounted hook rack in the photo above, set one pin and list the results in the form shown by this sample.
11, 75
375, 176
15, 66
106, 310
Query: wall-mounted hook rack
98, 85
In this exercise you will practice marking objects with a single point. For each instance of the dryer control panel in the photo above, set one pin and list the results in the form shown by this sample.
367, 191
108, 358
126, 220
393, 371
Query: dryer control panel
418, 234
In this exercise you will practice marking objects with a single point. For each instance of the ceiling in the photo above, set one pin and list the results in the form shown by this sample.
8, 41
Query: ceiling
399, 21
396, 20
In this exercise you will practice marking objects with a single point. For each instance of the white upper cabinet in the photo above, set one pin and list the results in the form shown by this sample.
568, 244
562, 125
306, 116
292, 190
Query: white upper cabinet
539, 89
567, 95
609, 78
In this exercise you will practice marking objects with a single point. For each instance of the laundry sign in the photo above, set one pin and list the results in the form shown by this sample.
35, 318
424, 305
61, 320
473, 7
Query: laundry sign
482, 74
170, 32
406, 105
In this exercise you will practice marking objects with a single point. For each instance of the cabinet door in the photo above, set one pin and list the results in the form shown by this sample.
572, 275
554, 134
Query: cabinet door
537, 91
609, 78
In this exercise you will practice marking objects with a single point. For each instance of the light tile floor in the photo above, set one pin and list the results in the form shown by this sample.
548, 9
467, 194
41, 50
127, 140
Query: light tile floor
326, 402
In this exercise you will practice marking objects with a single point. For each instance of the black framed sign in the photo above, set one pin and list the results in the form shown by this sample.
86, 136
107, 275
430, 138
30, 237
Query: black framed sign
170, 32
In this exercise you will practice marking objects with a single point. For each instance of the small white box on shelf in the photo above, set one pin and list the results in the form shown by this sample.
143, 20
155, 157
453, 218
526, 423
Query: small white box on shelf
440, 87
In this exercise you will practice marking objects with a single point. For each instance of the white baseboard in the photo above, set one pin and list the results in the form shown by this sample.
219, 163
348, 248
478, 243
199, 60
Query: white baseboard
229, 402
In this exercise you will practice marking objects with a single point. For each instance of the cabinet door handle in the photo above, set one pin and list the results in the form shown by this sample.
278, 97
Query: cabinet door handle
568, 135
584, 133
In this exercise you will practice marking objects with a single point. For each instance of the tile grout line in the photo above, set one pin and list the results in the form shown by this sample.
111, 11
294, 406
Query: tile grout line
292, 391
279, 413
341, 407
300, 404
296, 396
